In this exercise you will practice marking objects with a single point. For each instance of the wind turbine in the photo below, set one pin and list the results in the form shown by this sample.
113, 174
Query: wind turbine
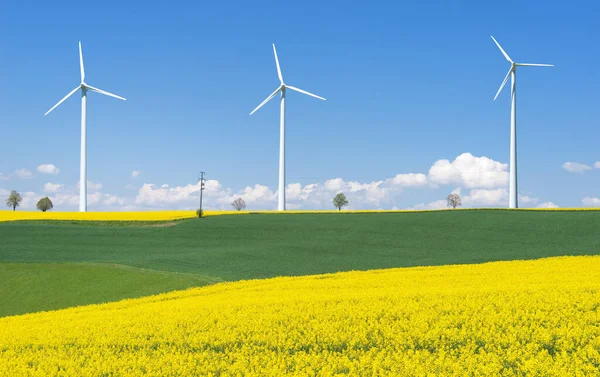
83, 162
512, 73
282, 88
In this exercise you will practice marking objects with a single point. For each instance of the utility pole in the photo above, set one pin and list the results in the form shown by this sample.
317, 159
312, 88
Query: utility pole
201, 180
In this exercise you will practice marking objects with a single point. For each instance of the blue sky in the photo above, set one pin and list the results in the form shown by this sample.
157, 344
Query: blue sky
407, 84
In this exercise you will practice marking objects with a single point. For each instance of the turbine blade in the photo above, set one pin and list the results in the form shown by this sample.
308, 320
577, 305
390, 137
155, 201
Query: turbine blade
267, 100
304, 92
103, 92
277, 62
81, 63
504, 82
500, 47
62, 100
534, 65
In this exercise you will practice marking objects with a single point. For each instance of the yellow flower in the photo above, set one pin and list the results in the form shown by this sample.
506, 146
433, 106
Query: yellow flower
6, 215
495, 319
106, 216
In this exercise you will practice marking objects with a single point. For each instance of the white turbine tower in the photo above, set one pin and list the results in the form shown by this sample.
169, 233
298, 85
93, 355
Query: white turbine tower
512, 73
282, 88
83, 162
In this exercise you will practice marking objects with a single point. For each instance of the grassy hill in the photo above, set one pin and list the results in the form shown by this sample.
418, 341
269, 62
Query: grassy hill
200, 251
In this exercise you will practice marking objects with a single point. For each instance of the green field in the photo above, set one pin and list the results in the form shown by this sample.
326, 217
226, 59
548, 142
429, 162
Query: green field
30, 287
49, 265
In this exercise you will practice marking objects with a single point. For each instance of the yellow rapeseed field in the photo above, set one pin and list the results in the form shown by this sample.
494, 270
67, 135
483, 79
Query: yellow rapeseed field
105, 216
520, 318
6, 215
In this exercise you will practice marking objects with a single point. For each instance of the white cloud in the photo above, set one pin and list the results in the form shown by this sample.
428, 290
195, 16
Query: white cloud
483, 197
575, 167
525, 200
52, 187
135, 173
296, 192
314, 195
334, 185
597, 164
30, 199
470, 172
24, 173
70, 200
475, 198
590, 202
495, 198
67, 198
91, 186
360, 195
438, 204
94, 186
369, 195
484, 176
407, 180
151, 195
48, 169
148, 194
256, 196
113, 200
547, 205
484, 180
4, 177
64, 200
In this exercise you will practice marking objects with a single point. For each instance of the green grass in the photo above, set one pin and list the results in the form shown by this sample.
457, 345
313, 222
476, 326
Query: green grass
259, 246
31, 287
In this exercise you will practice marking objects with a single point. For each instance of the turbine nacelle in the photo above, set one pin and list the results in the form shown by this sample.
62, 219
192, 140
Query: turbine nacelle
282, 87
513, 66
83, 86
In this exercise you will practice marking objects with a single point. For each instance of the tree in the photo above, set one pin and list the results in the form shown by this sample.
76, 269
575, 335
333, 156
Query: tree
454, 200
239, 204
199, 212
340, 201
44, 204
14, 200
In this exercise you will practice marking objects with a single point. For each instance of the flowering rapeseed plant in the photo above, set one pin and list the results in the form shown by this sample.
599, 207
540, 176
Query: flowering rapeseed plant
181, 214
537, 318
104, 216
